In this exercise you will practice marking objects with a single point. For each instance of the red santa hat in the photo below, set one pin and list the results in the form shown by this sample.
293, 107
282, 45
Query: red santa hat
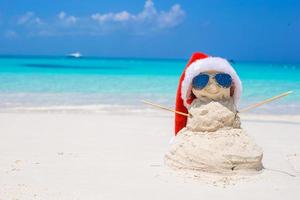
200, 62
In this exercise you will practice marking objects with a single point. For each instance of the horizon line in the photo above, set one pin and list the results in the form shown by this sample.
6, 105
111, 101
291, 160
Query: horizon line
136, 57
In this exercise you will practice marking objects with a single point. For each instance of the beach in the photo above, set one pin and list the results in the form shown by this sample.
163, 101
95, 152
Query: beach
149, 100
119, 155
76, 129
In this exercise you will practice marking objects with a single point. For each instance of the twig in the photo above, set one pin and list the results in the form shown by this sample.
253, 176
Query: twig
265, 101
164, 108
241, 111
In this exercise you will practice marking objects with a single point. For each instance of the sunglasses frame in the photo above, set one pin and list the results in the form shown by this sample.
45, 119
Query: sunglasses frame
213, 76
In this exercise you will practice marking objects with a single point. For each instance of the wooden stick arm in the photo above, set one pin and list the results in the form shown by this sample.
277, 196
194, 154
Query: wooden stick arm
264, 102
240, 111
164, 108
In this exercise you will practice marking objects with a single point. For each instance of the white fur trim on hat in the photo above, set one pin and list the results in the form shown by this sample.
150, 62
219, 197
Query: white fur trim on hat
207, 64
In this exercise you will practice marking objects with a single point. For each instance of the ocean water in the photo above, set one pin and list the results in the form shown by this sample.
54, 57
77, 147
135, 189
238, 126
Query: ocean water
61, 82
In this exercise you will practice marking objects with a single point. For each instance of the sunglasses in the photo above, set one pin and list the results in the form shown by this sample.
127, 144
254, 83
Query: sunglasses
222, 79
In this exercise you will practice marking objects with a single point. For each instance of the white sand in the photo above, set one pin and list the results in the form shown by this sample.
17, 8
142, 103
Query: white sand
89, 156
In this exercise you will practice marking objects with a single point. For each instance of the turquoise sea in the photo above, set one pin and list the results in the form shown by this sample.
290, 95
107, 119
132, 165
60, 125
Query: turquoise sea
34, 81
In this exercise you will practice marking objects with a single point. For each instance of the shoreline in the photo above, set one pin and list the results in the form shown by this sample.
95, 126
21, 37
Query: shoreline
141, 110
93, 155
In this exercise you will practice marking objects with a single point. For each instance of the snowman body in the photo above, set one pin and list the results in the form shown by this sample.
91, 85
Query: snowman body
213, 141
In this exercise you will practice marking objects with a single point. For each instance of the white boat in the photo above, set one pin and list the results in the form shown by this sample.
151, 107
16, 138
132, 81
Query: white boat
74, 55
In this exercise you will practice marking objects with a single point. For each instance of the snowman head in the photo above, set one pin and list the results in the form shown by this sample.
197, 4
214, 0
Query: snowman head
214, 85
210, 77
211, 87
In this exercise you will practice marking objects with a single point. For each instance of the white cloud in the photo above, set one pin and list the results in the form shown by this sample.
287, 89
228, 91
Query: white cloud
161, 19
149, 11
116, 17
71, 19
122, 16
37, 20
25, 18
61, 15
101, 18
68, 19
10, 34
29, 18
171, 18
148, 20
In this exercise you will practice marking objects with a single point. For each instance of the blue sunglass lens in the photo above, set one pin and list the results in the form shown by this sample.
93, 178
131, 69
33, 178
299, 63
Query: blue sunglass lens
223, 79
200, 81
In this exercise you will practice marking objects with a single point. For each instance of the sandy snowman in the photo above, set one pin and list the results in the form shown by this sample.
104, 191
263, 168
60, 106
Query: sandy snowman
211, 139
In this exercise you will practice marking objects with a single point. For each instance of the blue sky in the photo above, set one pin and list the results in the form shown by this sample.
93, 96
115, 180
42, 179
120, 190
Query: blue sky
243, 30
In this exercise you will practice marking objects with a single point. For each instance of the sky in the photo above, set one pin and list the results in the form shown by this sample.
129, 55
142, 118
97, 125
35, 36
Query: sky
253, 30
